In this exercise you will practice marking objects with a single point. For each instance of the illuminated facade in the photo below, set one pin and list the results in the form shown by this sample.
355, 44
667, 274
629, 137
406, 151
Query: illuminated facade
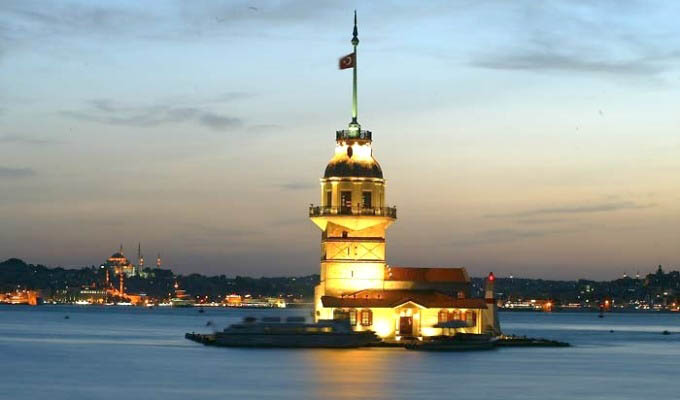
120, 264
356, 283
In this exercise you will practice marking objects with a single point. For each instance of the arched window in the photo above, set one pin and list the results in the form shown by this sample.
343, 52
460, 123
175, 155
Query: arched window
366, 317
443, 316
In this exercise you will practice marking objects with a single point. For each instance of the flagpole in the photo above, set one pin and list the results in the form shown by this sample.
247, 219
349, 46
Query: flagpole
355, 43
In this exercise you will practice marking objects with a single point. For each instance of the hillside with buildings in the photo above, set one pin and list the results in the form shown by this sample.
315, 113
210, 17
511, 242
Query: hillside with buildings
658, 290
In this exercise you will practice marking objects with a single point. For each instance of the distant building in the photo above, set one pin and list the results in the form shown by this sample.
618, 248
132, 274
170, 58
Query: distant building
233, 300
30, 297
120, 264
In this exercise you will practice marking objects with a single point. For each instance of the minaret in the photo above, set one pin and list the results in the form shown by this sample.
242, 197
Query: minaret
158, 261
353, 216
140, 258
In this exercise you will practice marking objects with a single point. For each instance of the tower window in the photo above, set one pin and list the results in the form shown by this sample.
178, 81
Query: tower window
346, 200
366, 199
329, 198
344, 234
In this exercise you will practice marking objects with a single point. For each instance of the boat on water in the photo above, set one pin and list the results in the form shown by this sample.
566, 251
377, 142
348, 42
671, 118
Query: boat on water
294, 332
181, 299
458, 342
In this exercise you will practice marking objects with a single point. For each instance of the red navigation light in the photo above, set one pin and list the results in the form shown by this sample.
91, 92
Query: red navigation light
491, 277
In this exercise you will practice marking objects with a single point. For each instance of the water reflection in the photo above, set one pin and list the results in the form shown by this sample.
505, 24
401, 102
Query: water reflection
354, 374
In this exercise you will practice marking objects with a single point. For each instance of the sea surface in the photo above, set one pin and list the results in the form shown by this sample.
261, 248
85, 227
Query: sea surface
137, 353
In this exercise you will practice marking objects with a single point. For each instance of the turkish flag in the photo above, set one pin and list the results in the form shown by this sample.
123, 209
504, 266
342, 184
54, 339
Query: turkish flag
347, 61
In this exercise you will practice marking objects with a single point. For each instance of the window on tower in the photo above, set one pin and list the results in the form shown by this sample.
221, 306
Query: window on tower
329, 198
366, 200
346, 201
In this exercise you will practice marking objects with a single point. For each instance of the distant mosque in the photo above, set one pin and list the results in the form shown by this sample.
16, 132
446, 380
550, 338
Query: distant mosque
356, 283
120, 265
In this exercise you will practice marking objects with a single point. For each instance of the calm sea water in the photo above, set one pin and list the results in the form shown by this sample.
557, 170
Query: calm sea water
133, 353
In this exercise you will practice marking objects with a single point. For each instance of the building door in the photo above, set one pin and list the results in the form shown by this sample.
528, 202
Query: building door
406, 326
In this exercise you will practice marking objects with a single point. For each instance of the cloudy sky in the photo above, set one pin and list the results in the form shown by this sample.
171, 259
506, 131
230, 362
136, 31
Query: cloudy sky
534, 138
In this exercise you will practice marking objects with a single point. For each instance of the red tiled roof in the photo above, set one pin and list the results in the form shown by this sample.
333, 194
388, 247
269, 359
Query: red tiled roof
426, 274
393, 298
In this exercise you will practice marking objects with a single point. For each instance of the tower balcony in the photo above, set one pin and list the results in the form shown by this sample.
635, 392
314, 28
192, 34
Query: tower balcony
321, 211
349, 134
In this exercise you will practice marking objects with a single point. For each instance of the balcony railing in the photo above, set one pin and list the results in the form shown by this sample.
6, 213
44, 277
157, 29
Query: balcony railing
347, 134
319, 211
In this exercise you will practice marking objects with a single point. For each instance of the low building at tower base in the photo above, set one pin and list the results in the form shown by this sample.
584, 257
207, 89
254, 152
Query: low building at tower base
415, 302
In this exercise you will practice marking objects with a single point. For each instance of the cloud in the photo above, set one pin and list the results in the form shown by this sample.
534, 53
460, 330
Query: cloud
25, 24
9, 172
551, 61
108, 112
297, 186
25, 18
263, 128
580, 209
219, 122
508, 235
24, 139
539, 221
583, 44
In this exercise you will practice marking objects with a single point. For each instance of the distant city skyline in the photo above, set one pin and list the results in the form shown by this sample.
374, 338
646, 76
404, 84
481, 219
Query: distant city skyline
539, 139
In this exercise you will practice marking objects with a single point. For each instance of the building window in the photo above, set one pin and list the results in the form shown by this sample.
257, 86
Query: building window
339, 314
353, 317
329, 198
366, 200
454, 316
472, 318
443, 316
366, 317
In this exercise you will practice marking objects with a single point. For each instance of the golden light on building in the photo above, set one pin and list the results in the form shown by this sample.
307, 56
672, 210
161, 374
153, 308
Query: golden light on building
355, 281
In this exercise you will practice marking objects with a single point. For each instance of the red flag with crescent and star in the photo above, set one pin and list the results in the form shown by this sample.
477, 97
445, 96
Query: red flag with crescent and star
347, 61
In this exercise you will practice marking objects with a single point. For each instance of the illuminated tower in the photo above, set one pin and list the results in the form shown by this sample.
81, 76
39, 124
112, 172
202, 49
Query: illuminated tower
158, 261
353, 216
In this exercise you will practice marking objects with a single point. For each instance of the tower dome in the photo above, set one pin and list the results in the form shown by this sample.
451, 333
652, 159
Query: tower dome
344, 165
348, 168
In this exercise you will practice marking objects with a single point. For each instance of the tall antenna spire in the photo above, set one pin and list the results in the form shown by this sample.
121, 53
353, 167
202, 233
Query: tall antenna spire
354, 125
